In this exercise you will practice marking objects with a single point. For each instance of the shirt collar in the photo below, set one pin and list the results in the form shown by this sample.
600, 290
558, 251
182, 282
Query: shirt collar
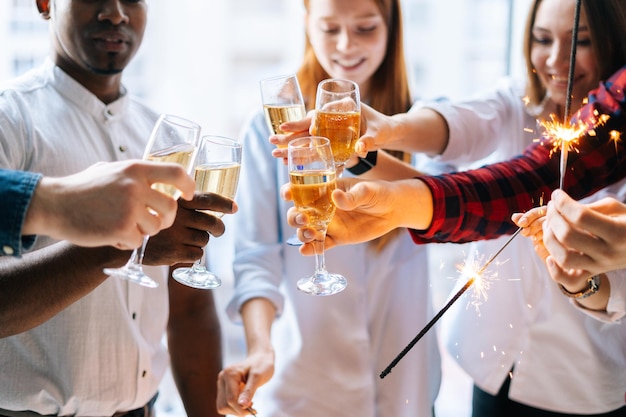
75, 92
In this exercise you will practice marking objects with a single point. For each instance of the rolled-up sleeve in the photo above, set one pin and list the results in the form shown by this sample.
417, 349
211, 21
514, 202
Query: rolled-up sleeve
16, 190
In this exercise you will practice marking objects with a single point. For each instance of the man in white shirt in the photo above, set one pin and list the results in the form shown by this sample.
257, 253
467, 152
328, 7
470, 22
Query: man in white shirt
94, 347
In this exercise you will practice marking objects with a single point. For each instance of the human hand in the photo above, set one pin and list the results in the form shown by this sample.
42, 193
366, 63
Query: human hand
586, 237
366, 210
531, 223
106, 204
185, 240
237, 384
296, 129
375, 131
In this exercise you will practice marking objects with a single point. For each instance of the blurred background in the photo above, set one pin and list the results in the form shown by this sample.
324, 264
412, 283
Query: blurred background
203, 60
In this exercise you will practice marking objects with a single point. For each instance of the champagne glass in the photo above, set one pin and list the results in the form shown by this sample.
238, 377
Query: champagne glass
217, 171
282, 102
313, 178
338, 117
173, 139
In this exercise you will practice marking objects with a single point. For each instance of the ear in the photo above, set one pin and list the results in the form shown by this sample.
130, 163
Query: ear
44, 8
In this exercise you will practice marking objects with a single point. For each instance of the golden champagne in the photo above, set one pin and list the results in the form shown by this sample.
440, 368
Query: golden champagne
218, 178
179, 154
311, 192
275, 115
342, 129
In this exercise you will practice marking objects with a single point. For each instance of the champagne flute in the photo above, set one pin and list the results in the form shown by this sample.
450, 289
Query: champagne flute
282, 102
338, 117
173, 139
217, 171
313, 178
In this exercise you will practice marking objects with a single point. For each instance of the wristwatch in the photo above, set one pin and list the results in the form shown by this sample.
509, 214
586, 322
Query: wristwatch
593, 285
365, 164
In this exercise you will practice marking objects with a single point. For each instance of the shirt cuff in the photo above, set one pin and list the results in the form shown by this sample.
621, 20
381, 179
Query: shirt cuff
18, 189
616, 307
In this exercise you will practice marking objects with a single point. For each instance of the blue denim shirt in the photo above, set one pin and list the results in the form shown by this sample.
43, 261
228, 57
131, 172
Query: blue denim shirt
16, 191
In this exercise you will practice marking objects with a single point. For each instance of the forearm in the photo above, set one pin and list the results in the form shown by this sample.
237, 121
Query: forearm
416, 203
421, 130
258, 315
37, 217
42, 283
195, 346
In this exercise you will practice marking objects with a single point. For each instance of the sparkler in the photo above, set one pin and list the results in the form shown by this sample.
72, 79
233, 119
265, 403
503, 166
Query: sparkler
475, 276
568, 101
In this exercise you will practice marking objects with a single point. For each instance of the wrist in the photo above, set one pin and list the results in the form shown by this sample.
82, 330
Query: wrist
364, 164
38, 216
417, 203
592, 286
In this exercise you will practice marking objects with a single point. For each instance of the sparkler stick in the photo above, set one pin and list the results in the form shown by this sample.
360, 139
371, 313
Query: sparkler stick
445, 308
570, 82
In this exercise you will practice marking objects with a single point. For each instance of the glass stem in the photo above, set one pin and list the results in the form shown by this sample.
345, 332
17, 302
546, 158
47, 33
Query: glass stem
142, 251
197, 266
320, 261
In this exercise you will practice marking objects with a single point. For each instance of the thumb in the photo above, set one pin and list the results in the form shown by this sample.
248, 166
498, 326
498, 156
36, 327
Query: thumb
245, 398
356, 196
364, 145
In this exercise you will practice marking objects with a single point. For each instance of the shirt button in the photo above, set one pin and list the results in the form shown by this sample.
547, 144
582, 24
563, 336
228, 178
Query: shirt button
122, 148
8, 250
143, 374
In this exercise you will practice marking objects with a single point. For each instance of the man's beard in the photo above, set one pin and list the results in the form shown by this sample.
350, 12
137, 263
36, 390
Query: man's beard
110, 70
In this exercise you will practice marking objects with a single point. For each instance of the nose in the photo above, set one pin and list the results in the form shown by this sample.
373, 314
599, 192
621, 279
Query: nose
559, 54
344, 40
113, 11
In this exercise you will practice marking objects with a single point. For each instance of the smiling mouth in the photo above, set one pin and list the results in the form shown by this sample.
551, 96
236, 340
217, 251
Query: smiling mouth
349, 64
562, 79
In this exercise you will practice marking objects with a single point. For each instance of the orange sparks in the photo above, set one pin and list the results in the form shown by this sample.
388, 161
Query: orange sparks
561, 135
473, 268
616, 137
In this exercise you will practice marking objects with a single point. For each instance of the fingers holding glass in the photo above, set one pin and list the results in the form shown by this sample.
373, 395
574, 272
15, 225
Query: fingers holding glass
173, 140
313, 178
282, 102
216, 171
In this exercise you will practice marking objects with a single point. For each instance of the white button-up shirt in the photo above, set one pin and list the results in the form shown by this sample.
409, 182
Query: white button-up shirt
103, 353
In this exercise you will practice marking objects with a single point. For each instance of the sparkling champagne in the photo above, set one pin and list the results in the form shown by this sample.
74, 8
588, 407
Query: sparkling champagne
218, 178
178, 154
311, 192
342, 129
275, 115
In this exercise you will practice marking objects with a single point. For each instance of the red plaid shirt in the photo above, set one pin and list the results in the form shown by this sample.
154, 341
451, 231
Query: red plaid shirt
478, 204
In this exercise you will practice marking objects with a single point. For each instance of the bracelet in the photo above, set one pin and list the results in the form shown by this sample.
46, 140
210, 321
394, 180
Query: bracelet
593, 285
365, 164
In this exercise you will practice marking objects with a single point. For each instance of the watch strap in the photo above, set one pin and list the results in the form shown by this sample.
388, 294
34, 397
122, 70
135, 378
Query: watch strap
593, 285
364, 164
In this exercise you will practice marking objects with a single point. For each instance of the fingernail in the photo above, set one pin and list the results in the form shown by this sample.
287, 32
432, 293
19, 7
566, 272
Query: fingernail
309, 234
